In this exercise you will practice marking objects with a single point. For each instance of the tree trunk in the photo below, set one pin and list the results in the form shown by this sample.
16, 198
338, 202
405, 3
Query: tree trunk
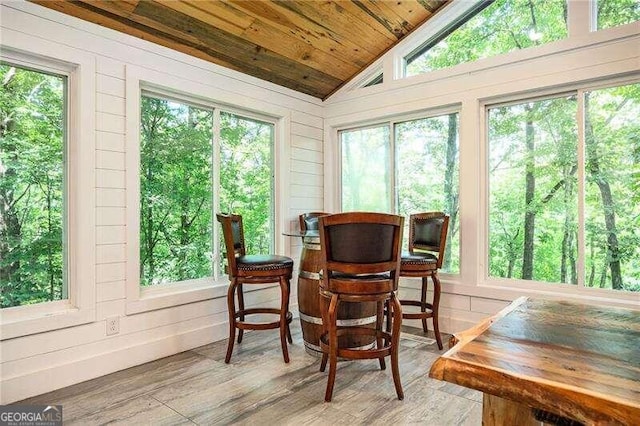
593, 166
450, 187
530, 188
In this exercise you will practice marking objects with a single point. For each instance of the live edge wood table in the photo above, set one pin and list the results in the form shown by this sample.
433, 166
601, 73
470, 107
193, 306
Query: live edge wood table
552, 361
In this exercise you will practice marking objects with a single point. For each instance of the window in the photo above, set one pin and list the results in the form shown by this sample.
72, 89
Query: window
406, 166
378, 79
535, 223
490, 29
612, 188
611, 13
427, 174
366, 174
177, 226
246, 178
33, 117
533, 190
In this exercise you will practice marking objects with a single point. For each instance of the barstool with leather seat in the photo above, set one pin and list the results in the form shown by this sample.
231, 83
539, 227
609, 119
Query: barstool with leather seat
254, 269
360, 260
427, 241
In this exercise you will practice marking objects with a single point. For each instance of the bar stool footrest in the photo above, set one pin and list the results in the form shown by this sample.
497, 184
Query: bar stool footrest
245, 325
351, 353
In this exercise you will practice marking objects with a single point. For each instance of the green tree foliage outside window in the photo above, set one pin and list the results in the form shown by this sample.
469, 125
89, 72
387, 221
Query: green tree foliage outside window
32, 176
428, 175
611, 13
425, 171
177, 194
366, 174
612, 198
175, 191
534, 191
246, 177
501, 27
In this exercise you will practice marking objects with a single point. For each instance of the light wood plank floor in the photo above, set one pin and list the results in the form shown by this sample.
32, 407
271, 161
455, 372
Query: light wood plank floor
258, 388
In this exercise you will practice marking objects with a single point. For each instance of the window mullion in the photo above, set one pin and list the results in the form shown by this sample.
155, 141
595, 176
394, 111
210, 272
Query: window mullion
215, 180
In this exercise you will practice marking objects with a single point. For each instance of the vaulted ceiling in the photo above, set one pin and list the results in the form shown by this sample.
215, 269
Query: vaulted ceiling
312, 46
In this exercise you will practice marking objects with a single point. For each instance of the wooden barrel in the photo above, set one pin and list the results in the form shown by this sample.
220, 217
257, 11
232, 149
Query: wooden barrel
349, 314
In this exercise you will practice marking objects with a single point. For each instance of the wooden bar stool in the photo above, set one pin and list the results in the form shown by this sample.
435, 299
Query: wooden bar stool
427, 241
360, 255
254, 269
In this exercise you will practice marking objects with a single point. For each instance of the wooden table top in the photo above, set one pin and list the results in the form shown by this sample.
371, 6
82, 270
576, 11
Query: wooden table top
575, 360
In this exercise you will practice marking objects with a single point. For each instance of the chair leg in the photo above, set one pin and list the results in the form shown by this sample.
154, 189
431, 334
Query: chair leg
289, 338
387, 308
395, 342
435, 306
284, 303
333, 346
241, 308
324, 312
379, 340
231, 306
423, 303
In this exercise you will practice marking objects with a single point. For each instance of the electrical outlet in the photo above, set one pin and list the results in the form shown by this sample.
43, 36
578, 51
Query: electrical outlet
113, 326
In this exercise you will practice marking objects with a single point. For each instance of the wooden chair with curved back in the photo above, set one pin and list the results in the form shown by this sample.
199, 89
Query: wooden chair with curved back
253, 269
427, 241
360, 263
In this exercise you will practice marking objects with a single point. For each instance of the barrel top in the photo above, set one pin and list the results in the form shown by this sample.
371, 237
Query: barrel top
303, 234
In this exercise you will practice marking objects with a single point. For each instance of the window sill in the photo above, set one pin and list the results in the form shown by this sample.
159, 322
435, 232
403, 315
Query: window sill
181, 293
24, 320
498, 289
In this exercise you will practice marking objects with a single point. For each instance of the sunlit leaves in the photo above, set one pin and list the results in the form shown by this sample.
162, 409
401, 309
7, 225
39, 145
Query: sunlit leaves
501, 27
32, 165
177, 192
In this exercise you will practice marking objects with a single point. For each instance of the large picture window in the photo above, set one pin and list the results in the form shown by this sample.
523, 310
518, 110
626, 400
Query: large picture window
33, 117
407, 167
535, 223
185, 149
428, 174
490, 29
533, 190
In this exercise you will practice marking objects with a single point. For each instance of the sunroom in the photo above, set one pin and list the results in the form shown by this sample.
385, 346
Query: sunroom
131, 129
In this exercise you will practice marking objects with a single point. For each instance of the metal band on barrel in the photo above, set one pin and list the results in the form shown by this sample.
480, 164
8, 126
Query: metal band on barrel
311, 246
341, 322
309, 275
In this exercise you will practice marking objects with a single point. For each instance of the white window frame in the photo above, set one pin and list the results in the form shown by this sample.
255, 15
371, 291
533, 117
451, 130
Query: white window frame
532, 286
80, 194
143, 299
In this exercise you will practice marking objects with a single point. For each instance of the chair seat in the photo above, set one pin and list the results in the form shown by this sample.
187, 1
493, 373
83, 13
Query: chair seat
262, 262
418, 258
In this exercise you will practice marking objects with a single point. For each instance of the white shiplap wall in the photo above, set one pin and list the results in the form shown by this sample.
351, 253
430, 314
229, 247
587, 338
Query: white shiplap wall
39, 363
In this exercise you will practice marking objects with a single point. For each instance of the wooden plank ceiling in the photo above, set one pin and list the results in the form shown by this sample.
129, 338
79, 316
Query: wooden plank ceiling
312, 46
